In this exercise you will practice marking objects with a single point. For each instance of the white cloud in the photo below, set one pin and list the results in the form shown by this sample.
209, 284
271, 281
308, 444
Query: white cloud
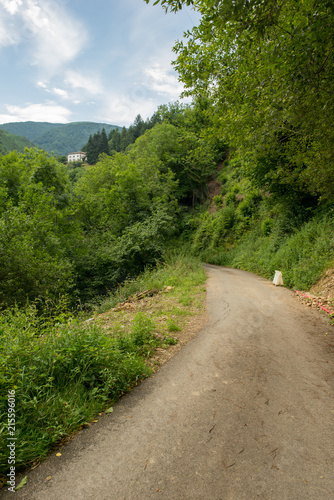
43, 85
157, 84
11, 6
61, 93
7, 36
47, 112
161, 80
54, 90
52, 35
153, 83
77, 80
112, 81
59, 38
78, 88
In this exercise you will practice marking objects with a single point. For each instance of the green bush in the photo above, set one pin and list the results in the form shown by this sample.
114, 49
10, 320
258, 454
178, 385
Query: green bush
248, 207
214, 228
172, 326
218, 200
230, 199
267, 226
301, 256
226, 218
142, 329
33, 261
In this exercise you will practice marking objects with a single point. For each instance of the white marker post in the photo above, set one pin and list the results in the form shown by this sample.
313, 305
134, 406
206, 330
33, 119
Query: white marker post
278, 279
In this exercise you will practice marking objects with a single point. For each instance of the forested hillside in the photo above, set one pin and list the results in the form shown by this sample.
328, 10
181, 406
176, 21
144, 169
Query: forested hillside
30, 130
260, 129
80, 230
10, 142
73, 236
57, 137
119, 139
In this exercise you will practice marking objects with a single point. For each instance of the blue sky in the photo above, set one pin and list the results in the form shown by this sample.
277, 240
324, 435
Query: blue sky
87, 60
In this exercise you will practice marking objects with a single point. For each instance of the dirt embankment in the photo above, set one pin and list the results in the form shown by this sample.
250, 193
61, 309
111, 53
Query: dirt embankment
321, 295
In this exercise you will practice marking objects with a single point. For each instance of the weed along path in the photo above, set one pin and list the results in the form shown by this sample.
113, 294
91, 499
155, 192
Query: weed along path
244, 411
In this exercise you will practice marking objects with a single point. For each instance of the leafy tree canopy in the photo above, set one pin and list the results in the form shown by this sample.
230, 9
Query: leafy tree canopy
267, 69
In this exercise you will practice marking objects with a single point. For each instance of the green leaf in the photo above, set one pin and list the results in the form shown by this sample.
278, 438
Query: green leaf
110, 410
22, 483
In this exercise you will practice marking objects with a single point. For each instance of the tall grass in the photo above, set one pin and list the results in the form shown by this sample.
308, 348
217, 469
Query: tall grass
177, 269
63, 374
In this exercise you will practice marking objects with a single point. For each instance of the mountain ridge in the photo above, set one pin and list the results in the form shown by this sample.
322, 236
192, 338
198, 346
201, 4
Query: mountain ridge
59, 138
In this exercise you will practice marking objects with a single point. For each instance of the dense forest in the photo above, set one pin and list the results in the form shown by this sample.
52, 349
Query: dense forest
243, 176
118, 139
11, 142
260, 124
81, 229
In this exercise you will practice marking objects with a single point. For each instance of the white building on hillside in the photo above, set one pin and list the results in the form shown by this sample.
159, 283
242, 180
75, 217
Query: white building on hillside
79, 156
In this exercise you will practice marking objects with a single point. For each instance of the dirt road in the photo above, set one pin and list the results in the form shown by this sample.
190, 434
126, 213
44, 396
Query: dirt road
244, 411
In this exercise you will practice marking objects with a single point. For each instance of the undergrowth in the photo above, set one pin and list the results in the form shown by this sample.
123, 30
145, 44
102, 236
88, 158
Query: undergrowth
64, 374
178, 269
301, 257
252, 229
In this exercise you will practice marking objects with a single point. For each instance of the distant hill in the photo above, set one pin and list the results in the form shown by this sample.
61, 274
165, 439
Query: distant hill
10, 142
61, 138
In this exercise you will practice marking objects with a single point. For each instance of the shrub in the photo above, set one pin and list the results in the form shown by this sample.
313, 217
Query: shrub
142, 329
230, 199
267, 226
248, 207
218, 200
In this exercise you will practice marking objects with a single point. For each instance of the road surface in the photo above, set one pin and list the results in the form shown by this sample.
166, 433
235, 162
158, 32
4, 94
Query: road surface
243, 411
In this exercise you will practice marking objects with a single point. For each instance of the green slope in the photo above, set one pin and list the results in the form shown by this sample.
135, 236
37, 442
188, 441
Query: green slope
57, 137
30, 130
10, 142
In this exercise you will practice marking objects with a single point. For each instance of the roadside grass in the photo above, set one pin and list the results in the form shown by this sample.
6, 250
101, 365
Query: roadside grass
301, 256
177, 270
172, 326
65, 374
